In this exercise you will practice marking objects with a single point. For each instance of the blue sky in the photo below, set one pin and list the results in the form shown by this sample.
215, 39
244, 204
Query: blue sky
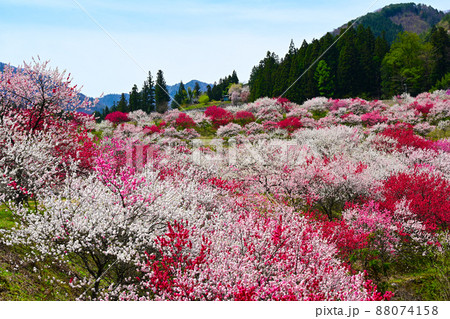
196, 39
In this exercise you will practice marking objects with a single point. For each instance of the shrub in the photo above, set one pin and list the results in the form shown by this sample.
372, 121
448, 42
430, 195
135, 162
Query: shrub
229, 130
290, 124
184, 121
422, 108
154, 128
117, 117
244, 117
203, 99
405, 137
250, 257
427, 193
373, 118
219, 117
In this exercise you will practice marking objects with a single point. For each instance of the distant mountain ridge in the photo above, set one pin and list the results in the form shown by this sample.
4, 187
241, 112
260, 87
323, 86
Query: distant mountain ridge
108, 100
396, 18
172, 89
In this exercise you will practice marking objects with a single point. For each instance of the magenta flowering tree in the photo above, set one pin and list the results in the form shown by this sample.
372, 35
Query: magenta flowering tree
290, 124
104, 222
373, 118
40, 93
244, 117
184, 121
42, 134
117, 117
219, 116
248, 256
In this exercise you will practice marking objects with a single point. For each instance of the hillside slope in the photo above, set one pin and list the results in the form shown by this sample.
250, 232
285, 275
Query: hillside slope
396, 18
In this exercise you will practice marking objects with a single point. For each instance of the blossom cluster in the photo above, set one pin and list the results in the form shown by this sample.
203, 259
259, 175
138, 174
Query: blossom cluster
276, 201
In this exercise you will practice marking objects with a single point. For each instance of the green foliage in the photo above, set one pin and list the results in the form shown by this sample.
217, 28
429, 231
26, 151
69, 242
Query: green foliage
148, 95
197, 91
429, 280
161, 97
218, 90
407, 66
348, 67
317, 115
97, 134
181, 97
442, 84
353, 65
396, 18
324, 78
135, 99
33, 280
438, 134
262, 77
6, 218
440, 42
122, 106
203, 99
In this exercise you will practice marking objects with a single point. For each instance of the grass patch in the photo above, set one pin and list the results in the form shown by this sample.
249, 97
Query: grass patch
6, 218
439, 134
21, 279
26, 280
204, 105
97, 134
317, 115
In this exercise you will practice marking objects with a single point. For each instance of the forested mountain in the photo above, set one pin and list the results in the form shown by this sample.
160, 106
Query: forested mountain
445, 22
396, 18
361, 63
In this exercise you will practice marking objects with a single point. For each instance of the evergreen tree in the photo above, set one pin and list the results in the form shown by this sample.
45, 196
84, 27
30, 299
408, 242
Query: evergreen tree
216, 91
282, 76
161, 96
234, 78
332, 55
324, 78
197, 91
122, 106
348, 65
262, 78
148, 95
190, 95
312, 53
106, 111
440, 41
181, 97
365, 78
292, 50
209, 92
135, 99
381, 48
346, 70
98, 116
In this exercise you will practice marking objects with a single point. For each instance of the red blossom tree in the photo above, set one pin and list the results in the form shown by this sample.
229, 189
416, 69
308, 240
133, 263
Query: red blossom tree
219, 117
427, 193
184, 121
290, 124
243, 117
117, 117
